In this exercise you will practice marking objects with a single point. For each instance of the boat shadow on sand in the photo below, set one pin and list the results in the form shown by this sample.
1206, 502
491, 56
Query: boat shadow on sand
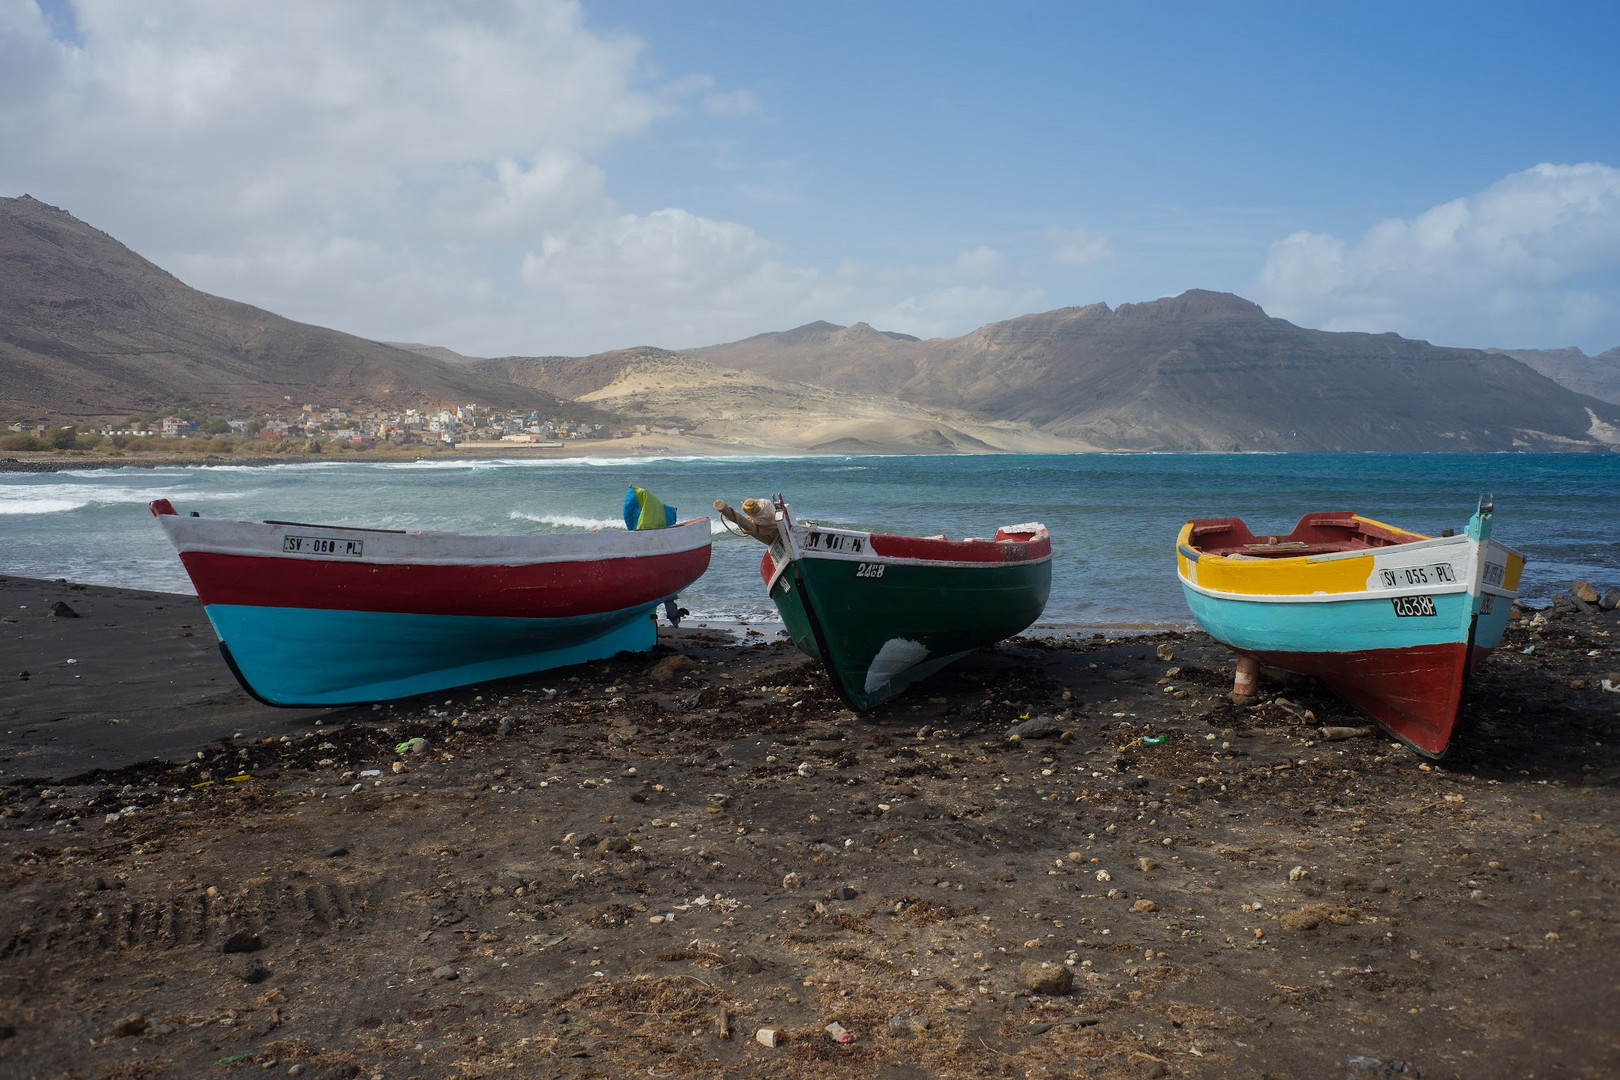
1536, 707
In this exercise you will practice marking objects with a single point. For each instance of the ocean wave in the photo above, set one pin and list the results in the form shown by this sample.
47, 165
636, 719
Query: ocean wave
244, 467
65, 498
603, 461
717, 527
284, 466
135, 489
35, 503
567, 521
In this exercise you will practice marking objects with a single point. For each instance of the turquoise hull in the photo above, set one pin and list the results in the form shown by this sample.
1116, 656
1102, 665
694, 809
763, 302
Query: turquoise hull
308, 656
1333, 626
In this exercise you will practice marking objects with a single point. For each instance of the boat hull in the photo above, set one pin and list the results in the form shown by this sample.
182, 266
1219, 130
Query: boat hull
1408, 679
1396, 630
314, 615
1414, 693
324, 656
881, 614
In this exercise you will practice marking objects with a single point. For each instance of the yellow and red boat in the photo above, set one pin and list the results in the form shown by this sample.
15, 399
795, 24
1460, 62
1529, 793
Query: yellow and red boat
1393, 621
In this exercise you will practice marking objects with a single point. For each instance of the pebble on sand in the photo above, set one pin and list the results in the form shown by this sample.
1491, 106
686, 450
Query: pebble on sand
906, 1023
1041, 977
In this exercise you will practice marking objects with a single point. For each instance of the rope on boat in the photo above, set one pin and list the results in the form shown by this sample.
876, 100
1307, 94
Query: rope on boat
757, 519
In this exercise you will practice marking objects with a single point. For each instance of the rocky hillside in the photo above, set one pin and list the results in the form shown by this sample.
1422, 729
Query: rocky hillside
1201, 371
729, 405
89, 330
1597, 375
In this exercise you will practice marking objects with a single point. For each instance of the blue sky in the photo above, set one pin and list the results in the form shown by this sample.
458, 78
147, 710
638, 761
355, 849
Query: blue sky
558, 178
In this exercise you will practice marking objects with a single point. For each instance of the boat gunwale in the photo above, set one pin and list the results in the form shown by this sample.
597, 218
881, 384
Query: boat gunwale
253, 539
943, 564
1004, 545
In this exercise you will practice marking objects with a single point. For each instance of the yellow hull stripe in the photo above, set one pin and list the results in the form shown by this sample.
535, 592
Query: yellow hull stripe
1303, 575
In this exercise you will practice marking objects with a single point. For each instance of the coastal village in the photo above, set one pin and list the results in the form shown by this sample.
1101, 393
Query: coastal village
471, 426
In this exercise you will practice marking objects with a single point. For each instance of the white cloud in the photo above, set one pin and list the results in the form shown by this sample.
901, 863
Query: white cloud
941, 300
422, 171
306, 156
695, 280
732, 103
981, 262
519, 200
956, 309
668, 252
1077, 247
1534, 257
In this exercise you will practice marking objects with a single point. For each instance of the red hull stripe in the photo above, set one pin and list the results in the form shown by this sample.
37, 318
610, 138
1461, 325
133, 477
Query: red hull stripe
543, 590
1414, 692
985, 551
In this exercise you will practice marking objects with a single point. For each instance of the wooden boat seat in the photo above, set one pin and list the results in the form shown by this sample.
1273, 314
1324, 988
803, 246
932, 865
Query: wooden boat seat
1287, 551
1316, 534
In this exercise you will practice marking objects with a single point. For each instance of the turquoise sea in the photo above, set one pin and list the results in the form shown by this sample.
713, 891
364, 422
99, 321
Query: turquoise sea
1113, 518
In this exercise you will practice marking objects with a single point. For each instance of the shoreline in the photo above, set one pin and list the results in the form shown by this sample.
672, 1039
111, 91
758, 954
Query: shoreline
39, 461
671, 446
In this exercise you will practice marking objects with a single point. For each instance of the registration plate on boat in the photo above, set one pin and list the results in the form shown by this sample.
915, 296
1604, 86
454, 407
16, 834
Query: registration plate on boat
322, 545
1412, 606
1431, 574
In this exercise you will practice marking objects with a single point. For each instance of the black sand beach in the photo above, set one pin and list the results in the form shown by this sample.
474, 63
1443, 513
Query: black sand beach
632, 867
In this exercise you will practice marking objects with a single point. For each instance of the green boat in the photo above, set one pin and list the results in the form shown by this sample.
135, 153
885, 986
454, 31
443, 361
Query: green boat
882, 611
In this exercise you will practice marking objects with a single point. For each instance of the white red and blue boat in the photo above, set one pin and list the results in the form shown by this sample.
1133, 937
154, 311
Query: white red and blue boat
881, 611
335, 615
1391, 620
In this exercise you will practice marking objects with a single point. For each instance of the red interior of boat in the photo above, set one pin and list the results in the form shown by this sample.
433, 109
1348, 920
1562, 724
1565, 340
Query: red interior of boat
1316, 534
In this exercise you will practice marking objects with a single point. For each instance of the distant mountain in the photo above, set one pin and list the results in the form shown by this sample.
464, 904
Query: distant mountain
1597, 375
855, 357
437, 352
664, 389
91, 331
1200, 371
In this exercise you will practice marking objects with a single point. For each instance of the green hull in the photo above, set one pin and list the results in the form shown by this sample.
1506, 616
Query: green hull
877, 636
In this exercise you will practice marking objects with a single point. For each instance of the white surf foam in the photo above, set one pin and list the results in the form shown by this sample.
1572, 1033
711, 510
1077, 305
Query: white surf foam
567, 521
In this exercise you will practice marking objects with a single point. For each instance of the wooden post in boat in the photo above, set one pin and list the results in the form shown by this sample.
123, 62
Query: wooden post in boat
757, 518
1244, 690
